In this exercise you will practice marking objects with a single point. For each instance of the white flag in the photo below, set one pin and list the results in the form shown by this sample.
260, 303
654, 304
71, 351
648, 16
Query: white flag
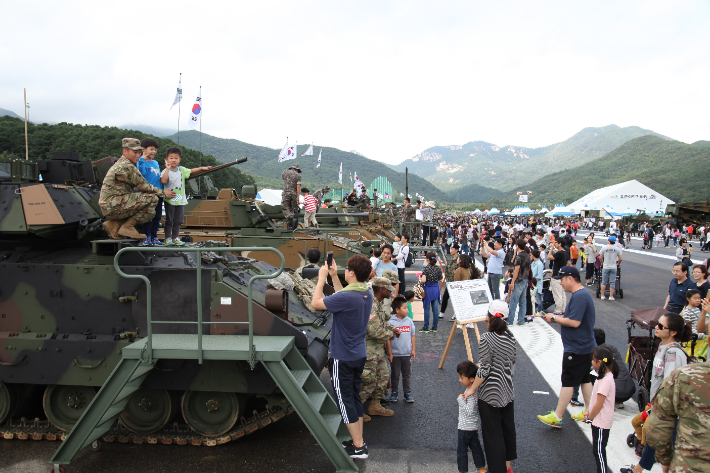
409, 195
401, 194
196, 114
309, 151
351, 178
340, 175
288, 152
319, 155
178, 94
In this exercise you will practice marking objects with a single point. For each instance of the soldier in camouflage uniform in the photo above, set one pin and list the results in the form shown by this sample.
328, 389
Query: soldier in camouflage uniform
320, 193
376, 372
291, 191
122, 207
408, 213
363, 201
684, 397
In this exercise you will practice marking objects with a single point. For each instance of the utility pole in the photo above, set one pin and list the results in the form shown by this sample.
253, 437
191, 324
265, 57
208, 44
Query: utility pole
27, 150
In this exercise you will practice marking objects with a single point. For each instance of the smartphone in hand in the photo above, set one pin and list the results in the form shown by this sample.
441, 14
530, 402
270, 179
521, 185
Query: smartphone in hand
330, 259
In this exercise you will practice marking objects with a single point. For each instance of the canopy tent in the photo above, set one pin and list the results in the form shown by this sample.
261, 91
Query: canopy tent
562, 211
270, 196
494, 211
477, 211
631, 195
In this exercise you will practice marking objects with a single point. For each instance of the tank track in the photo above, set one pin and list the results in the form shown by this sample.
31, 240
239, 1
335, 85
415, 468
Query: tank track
178, 434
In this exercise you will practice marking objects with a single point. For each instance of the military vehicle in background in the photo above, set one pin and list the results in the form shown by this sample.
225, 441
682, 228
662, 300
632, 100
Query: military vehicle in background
697, 213
68, 318
222, 215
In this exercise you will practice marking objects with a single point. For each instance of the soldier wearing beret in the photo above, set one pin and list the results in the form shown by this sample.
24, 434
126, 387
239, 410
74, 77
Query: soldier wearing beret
122, 207
291, 191
376, 372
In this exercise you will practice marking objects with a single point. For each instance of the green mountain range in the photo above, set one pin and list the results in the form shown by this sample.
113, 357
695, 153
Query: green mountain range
263, 165
510, 168
675, 169
95, 142
9, 113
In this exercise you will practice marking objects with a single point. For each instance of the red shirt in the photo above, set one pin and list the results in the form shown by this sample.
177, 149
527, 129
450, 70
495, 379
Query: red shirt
310, 202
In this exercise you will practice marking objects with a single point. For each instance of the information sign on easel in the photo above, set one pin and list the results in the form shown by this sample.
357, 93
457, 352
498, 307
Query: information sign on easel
470, 300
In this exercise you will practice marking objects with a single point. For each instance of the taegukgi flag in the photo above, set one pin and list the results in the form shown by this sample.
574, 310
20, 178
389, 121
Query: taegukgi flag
178, 94
196, 113
288, 152
340, 174
319, 155
309, 151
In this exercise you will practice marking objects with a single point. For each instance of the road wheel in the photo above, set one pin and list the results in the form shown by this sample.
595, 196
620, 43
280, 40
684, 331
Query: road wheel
210, 413
64, 405
9, 400
148, 411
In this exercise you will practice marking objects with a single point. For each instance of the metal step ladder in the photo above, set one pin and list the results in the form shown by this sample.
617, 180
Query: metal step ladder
108, 403
314, 405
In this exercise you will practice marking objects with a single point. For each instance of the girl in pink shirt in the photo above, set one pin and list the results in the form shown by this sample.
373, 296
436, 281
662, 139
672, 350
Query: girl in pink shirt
601, 414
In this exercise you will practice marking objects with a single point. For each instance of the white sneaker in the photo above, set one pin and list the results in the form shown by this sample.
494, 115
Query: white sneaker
603, 298
611, 298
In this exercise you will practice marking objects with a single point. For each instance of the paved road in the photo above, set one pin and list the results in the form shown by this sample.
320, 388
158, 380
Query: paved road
421, 437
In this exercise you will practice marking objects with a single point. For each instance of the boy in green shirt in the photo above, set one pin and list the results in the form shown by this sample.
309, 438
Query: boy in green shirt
409, 295
173, 178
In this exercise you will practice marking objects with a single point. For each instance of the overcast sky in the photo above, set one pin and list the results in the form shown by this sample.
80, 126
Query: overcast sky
388, 79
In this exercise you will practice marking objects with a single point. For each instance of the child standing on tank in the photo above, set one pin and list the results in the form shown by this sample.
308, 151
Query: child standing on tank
173, 177
150, 170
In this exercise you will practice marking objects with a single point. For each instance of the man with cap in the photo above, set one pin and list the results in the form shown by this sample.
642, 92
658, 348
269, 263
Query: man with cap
291, 191
611, 255
376, 372
122, 207
578, 341
363, 201
408, 213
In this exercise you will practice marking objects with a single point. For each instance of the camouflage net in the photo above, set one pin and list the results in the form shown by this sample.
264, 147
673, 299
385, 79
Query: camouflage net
282, 282
305, 289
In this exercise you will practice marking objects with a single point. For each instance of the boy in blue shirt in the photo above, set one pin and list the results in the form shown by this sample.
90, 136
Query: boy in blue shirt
173, 178
150, 170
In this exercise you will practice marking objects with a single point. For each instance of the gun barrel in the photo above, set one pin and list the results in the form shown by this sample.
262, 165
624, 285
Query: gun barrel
217, 168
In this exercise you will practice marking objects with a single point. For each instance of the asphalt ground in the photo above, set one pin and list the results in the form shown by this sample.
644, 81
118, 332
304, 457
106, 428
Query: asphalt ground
421, 437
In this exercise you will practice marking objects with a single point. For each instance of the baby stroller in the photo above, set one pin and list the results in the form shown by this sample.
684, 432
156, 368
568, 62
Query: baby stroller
642, 349
641, 352
645, 244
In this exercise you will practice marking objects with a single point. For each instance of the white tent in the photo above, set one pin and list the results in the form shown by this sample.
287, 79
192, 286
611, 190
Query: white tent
494, 211
270, 196
621, 197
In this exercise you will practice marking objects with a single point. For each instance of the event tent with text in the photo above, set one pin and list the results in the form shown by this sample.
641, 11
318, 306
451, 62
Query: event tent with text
629, 196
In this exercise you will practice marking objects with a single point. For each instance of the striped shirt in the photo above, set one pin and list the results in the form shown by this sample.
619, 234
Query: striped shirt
497, 364
310, 202
468, 413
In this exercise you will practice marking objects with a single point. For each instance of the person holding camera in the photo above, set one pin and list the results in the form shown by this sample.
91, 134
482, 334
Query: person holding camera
683, 253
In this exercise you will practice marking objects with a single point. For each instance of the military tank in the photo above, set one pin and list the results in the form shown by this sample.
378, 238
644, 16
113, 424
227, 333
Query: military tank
222, 215
66, 314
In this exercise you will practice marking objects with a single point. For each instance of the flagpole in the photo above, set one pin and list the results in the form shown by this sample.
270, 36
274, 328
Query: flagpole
27, 150
198, 182
180, 82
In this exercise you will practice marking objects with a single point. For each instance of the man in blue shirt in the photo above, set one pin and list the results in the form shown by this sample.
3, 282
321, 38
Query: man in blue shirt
578, 342
679, 286
495, 265
351, 308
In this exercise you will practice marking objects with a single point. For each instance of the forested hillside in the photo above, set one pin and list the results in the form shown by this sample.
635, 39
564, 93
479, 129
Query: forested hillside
264, 166
473, 193
95, 142
675, 169
510, 168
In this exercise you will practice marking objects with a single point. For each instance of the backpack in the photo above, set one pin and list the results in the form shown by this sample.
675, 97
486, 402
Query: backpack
410, 259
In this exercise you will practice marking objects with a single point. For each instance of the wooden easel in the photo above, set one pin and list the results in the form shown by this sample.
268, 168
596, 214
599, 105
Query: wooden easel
465, 337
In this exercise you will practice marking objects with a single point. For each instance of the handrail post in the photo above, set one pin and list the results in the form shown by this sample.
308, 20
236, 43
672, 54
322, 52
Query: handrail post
198, 262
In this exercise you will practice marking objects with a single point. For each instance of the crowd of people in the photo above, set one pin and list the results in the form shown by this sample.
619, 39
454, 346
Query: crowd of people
516, 254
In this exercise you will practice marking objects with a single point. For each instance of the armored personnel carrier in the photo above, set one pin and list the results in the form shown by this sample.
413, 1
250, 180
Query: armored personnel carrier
107, 340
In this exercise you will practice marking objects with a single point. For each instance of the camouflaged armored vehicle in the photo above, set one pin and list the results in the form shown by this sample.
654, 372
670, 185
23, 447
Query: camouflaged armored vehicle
96, 345
221, 215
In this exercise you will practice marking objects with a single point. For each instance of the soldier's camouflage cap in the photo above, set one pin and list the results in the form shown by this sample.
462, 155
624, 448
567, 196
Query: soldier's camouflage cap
131, 143
295, 166
391, 275
383, 283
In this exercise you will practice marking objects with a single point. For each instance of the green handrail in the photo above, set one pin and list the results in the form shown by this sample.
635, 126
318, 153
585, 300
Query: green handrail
198, 263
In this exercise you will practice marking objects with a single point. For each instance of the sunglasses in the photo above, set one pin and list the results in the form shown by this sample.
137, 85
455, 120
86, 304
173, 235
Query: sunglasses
660, 326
